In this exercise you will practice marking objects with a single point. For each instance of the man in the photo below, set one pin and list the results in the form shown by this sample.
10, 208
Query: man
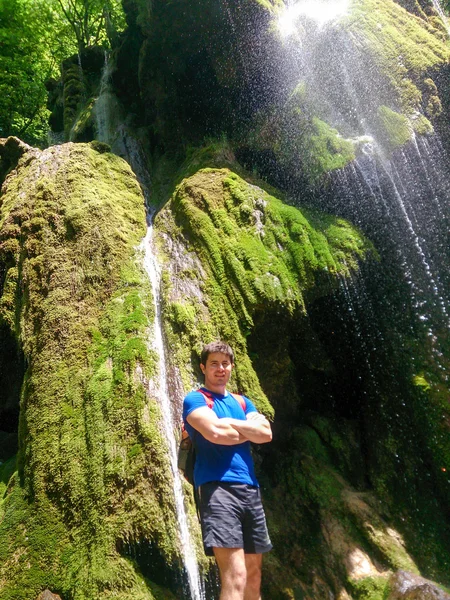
233, 522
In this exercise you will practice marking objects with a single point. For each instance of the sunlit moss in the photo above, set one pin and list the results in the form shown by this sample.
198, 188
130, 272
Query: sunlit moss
403, 46
239, 250
421, 382
92, 464
370, 588
395, 128
303, 144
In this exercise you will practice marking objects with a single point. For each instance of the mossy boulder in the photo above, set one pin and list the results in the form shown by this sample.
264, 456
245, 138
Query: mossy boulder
234, 251
408, 586
91, 479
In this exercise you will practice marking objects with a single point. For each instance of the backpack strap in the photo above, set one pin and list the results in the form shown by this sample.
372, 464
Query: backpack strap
209, 398
241, 400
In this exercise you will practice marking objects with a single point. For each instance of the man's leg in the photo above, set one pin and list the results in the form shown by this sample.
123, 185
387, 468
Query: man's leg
253, 564
232, 569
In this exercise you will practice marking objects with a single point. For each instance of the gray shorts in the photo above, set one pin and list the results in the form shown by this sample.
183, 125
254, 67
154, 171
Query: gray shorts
232, 516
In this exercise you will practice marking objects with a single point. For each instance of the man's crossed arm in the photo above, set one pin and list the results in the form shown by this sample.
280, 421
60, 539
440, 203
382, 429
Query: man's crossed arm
230, 432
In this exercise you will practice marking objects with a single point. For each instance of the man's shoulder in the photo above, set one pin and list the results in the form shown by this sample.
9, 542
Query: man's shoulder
193, 395
249, 405
193, 400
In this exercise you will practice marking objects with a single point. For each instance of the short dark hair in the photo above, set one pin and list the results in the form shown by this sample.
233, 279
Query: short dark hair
218, 346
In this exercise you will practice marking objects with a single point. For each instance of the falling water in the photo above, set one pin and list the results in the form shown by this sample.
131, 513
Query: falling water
399, 199
112, 129
395, 194
438, 8
320, 11
107, 110
161, 392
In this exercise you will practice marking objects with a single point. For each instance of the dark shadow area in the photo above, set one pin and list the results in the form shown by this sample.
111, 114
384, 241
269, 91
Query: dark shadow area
152, 564
10, 152
348, 369
11, 376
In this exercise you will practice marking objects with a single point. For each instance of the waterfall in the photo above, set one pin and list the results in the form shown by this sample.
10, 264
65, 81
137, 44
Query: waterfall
438, 8
399, 196
159, 389
107, 110
320, 11
112, 129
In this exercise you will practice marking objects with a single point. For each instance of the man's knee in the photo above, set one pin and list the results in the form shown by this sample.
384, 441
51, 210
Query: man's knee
232, 568
235, 580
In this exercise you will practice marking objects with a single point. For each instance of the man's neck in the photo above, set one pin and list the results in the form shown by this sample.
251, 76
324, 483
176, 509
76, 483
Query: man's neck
216, 389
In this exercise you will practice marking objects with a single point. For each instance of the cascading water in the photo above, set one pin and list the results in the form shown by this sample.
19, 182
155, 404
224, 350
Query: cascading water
159, 389
400, 197
113, 130
389, 326
438, 8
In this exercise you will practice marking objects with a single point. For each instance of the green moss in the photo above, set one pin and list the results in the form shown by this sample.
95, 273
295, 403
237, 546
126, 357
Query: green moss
239, 250
92, 460
327, 149
270, 5
421, 382
302, 143
7, 469
388, 31
434, 107
403, 46
421, 125
74, 91
370, 588
83, 120
395, 128
410, 96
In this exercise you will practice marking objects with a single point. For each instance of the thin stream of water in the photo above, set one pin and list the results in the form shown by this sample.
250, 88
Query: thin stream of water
188, 551
438, 7
112, 130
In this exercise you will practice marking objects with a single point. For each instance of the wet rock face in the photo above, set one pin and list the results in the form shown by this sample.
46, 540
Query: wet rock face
406, 586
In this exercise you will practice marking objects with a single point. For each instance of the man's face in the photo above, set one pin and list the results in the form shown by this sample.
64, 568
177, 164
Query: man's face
217, 370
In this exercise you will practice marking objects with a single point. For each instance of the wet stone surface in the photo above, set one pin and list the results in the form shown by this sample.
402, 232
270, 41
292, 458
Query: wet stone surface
406, 586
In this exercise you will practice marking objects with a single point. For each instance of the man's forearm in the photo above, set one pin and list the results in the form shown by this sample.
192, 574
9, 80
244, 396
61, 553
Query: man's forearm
226, 434
256, 431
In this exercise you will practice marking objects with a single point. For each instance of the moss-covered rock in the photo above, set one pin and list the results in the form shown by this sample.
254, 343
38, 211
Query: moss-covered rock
232, 251
404, 49
302, 143
92, 470
395, 129
364, 74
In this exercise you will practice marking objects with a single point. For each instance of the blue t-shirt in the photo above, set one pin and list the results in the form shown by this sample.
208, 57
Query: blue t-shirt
217, 462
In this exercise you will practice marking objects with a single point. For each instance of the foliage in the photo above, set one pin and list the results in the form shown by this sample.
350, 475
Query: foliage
92, 22
28, 57
35, 36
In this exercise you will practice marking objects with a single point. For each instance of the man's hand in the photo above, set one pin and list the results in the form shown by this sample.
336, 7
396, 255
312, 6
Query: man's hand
215, 430
256, 416
256, 428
